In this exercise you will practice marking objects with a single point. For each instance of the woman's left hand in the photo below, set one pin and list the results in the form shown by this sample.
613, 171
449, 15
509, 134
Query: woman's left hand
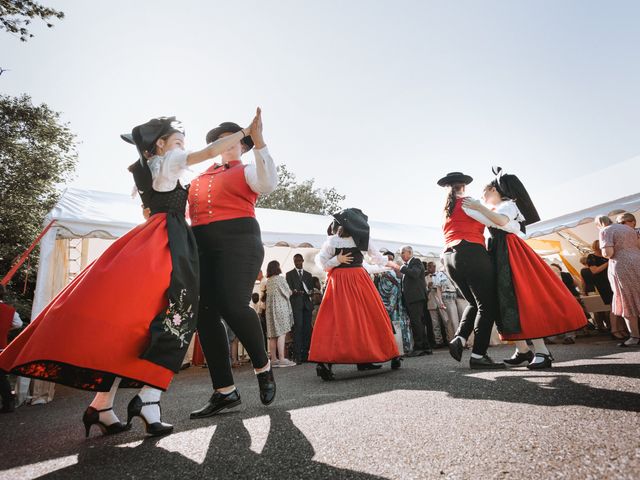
256, 130
472, 203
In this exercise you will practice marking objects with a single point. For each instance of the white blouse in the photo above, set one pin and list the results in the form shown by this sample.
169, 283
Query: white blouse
327, 259
507, 208
167, 169
261, 176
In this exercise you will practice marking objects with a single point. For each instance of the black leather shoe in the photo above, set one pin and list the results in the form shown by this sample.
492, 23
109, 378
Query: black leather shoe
485, 363
396, 363
545, 363
456, 348
519, 358
414, 353
267, 387
368, 366
155, 429
217, 403
323, 370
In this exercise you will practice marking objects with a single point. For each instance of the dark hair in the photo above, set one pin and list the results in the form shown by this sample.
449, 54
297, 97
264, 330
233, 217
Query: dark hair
557, 266
336, 229
3, 290
388, 252
273, 268
255, 297
316, 283
452, 196
298, 255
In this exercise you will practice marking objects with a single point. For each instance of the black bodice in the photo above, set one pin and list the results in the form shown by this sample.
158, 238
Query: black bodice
356, 255
174, 201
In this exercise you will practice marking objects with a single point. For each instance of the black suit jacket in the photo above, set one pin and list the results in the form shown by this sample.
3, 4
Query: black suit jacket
414, 285
301, 299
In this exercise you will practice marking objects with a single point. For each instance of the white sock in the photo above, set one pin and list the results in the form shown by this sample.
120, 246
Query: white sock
521, 346
226, 390
539, 346
266, 368
151, 412
536, 359
463, 340
104, 400
475, 355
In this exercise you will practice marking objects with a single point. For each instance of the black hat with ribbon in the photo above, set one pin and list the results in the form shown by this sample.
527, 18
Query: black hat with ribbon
145, 136
511, 187
455, 177
228, 127
356, 224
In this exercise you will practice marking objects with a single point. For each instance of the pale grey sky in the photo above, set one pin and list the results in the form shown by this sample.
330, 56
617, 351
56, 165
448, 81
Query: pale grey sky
376, 98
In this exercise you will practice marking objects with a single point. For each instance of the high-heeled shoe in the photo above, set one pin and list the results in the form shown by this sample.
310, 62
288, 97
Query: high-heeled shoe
324, 371
91, 417
155, 429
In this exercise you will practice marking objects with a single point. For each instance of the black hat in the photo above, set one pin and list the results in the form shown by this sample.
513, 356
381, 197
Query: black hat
356, 224
145, 136
453, 178
228, 127
510, 186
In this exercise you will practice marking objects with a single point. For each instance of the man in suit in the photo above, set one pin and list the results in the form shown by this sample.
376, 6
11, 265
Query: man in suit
414, 294
301, 284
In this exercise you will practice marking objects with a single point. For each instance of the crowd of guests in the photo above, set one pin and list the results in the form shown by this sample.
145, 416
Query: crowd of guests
425, 308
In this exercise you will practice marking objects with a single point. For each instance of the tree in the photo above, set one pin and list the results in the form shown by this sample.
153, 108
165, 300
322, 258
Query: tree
300, 197
16, 16
37, 153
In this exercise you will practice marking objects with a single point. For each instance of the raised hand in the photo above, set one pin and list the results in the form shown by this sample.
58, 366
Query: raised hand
256, 130
472, 203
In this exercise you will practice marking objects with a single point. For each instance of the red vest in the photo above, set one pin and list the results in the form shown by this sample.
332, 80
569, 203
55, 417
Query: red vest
6, 319
221, 193
460, 226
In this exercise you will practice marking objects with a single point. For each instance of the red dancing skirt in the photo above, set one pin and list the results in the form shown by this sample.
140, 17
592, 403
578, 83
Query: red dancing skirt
352, 325
545, 305
97, 327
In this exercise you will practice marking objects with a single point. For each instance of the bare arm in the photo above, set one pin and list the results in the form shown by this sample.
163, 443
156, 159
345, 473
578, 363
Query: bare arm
216, 148
608, 252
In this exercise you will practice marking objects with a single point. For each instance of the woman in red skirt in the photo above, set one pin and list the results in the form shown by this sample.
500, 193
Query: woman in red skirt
352, 325
127, 319
533, 301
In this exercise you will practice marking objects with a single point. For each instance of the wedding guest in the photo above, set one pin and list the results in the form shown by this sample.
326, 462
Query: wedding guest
449, 307
9, 320
301, 284
278, 313
435, 307
620, 244
388, 284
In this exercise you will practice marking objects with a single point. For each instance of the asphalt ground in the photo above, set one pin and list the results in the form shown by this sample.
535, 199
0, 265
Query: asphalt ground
434, 418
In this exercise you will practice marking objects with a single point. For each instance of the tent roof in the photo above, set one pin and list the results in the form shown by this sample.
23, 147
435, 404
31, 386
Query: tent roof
90, 213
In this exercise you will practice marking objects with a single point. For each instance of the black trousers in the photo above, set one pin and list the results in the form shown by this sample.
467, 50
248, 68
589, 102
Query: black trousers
416, 311
302, 329
470, 268
5, 389
231, 254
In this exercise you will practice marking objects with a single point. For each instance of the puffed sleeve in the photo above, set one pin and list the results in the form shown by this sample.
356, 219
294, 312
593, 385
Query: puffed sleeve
170, 168
375, 256
606, 238
326, 258
262, 177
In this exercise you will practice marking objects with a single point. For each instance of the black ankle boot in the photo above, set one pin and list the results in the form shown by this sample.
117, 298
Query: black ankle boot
323, 370
267, 386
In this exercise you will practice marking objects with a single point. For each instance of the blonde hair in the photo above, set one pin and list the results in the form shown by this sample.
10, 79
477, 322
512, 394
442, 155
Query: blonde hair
603, 221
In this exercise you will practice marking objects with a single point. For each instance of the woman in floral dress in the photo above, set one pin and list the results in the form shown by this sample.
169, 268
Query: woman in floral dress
389, 287
620, 244
279, 314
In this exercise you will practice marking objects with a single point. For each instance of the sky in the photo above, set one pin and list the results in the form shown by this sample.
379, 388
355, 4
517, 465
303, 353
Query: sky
378, 99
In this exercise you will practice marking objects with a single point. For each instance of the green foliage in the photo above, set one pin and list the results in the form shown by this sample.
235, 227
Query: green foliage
300, 197
37, 153
16, 16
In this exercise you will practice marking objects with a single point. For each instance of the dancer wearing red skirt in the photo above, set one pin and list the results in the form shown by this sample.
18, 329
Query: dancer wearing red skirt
352, 325
533, 301
128, 318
